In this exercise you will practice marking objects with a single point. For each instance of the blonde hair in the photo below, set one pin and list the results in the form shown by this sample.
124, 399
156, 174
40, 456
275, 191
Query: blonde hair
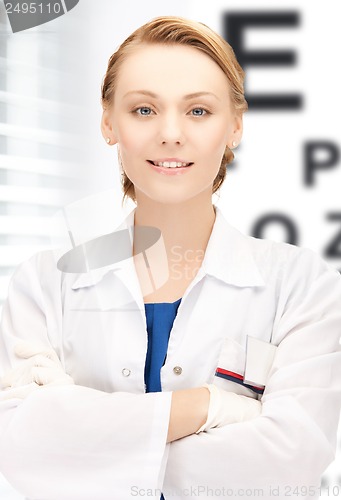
177, 30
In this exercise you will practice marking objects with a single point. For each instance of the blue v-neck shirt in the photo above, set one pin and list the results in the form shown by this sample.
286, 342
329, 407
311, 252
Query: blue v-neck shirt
160, 317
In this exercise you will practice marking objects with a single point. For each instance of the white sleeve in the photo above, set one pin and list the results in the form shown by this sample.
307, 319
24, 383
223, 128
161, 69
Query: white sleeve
73, 442
291, 443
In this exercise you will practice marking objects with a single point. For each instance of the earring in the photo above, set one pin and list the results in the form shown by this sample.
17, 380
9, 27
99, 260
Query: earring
108, 140
234, 144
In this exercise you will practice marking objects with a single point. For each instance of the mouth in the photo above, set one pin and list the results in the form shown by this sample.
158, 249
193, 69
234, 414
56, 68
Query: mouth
170, 164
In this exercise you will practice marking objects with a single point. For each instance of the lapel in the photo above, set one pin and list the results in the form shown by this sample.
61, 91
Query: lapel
124, 270
229, 256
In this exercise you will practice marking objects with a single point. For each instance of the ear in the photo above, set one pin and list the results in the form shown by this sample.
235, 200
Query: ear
237, 131
107, 127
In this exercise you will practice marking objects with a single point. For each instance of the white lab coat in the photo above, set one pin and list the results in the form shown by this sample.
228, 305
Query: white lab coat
105, 439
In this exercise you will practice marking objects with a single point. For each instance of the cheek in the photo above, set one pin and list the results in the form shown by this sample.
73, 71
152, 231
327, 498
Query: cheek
214, 139
133, 138
213, 146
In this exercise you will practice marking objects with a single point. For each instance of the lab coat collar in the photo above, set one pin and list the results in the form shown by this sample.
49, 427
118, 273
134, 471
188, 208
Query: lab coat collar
94, 276
228, 257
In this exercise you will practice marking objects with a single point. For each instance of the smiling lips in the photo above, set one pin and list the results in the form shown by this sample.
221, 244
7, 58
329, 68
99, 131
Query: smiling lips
170, 163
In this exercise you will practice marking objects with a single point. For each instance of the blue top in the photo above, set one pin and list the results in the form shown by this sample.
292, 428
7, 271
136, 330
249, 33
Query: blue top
160, 317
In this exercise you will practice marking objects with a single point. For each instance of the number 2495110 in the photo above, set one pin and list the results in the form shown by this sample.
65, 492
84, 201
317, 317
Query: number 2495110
33, 8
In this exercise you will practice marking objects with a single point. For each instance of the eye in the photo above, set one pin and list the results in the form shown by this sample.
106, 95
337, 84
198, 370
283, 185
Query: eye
200, 111
143, 111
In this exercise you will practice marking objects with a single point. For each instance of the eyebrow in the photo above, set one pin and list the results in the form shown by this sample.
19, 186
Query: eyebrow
186, 97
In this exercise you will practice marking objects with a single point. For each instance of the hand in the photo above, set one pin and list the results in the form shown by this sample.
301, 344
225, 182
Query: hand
228, 408
189, 409
42, 367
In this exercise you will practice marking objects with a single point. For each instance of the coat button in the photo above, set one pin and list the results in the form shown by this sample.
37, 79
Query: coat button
126, 372
177, 370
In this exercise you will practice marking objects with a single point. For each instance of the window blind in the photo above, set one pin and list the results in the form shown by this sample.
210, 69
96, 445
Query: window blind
38, 169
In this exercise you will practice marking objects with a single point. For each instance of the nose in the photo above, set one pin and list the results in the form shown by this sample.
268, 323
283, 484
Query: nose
171, 129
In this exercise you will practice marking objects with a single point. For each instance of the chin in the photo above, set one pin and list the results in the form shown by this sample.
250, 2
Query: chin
164, 194
168, 200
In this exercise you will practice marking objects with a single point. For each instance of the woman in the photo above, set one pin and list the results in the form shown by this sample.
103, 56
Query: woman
206, 364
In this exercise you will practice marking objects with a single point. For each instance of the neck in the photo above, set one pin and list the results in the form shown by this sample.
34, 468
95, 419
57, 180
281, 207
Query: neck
184, 226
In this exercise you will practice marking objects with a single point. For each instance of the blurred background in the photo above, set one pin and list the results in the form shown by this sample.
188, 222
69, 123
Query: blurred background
284, 184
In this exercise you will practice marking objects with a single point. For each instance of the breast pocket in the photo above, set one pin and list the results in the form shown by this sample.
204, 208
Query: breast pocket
230, 370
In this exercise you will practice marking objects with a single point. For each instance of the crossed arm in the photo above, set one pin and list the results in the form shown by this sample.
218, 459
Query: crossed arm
192, 410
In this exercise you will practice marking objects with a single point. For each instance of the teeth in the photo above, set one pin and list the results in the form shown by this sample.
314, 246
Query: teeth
170, 164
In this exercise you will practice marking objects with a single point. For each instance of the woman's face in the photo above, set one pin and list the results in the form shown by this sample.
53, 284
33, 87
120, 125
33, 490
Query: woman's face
171, 102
